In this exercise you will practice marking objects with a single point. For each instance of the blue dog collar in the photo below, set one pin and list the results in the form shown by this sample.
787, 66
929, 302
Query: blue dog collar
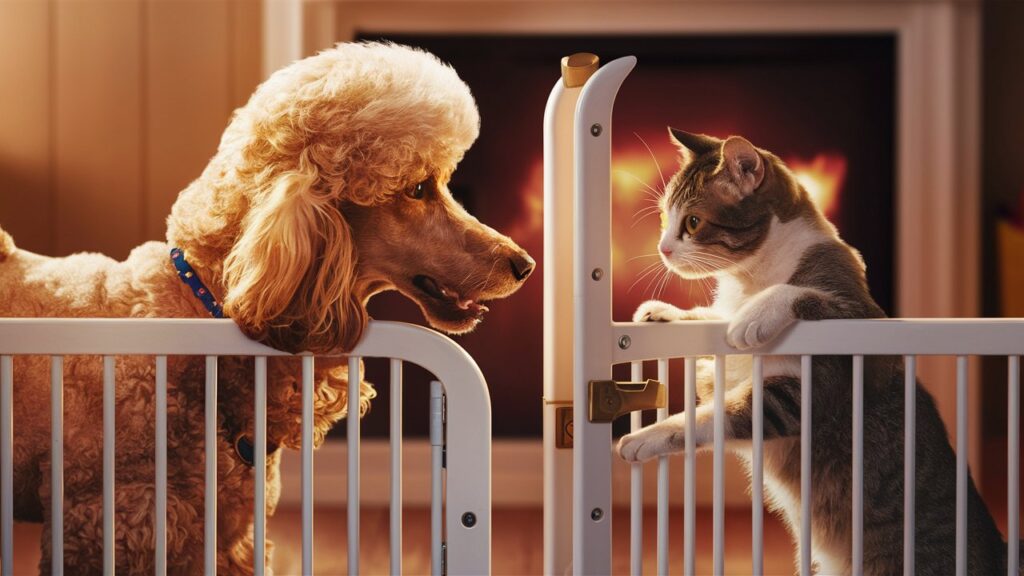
188, 276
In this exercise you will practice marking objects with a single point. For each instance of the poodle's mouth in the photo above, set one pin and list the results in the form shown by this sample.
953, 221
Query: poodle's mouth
449, 299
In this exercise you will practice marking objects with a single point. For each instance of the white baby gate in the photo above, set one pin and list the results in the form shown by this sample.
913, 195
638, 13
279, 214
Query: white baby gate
460, 431
582, 343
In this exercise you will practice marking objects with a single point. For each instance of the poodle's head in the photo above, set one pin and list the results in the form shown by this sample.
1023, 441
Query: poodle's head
331, 185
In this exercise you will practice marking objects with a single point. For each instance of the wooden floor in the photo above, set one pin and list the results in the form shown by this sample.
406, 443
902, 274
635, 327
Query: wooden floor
517, 542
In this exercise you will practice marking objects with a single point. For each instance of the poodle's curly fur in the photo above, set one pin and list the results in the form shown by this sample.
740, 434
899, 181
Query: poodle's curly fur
291, 225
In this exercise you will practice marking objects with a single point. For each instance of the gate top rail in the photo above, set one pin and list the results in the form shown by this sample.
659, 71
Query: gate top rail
890, 336
210, 337
184, 336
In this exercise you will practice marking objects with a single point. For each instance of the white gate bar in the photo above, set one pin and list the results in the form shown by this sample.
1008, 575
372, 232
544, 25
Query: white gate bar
636, 489
757, 466
718, 467
210, 496
881, 337
436, 481
690, 468
1013, 465
260, 463
559, 114
109, 429
858, 464
805, 465
7, 462
57, 465
592, 348
160, 555
307, 464
396, 466
663, 494
352, 424
961, 466
909, 459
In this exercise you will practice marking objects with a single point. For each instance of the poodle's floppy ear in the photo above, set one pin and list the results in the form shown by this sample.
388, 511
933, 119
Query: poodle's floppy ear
290, 274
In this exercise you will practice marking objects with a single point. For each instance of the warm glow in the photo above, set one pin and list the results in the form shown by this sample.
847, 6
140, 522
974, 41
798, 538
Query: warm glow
822, 177
636, 220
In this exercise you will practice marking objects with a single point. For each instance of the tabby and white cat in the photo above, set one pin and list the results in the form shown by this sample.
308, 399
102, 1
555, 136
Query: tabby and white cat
737, 213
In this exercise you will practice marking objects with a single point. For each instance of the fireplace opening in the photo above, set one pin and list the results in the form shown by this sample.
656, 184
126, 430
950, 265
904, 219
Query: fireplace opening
824, 104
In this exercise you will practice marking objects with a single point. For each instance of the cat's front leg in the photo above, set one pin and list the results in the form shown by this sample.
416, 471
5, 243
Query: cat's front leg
658, 311
667, 436
781, 420
766, 315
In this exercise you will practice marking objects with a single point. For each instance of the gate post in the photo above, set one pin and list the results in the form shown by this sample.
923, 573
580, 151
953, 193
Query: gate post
593, 343
558, 309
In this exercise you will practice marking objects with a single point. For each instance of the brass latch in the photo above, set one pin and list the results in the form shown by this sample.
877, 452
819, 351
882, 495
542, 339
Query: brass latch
610, 399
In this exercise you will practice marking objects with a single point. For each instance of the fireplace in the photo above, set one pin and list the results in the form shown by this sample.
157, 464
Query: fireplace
824, 104
922, 158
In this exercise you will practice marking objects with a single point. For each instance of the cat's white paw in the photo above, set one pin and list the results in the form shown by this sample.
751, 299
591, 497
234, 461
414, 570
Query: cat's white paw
658, 311
754, 326
650, 442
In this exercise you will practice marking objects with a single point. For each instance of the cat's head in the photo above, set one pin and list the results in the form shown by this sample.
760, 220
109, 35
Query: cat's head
719, 208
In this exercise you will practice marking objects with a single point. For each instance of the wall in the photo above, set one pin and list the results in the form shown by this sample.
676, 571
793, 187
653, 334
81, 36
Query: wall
108, 108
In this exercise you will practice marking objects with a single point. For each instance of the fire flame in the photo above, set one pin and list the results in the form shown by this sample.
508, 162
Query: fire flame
636, 185
822, 177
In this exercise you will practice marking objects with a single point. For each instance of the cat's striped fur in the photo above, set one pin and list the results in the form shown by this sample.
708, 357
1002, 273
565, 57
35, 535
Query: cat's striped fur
737, 213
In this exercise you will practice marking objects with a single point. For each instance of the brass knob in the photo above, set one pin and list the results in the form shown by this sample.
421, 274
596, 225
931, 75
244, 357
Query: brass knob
578, 68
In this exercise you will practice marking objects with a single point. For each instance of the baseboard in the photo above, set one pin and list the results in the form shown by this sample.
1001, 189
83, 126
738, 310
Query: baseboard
517, 477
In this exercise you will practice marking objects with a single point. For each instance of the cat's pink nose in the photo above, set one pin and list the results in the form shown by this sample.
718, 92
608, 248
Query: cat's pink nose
666, 251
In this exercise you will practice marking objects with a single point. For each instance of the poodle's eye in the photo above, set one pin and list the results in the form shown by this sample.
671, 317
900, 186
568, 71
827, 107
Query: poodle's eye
419, 191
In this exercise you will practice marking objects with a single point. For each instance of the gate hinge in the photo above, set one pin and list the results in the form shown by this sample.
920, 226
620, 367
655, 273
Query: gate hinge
563, 426
610, 399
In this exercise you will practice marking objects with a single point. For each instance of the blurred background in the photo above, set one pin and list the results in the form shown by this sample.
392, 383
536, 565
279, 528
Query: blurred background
902, 118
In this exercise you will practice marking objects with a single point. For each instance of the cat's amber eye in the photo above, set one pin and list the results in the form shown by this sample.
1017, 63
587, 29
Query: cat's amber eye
693, 224
419, 191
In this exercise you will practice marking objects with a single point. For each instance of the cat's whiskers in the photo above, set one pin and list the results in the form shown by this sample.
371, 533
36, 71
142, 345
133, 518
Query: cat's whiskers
722, 263
650, 210
651, 255
647, 211
651, 193
650, 269
653, 157
705, 272
664, 284
653, 282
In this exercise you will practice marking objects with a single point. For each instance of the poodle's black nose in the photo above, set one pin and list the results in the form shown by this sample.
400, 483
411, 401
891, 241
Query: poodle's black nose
522, 265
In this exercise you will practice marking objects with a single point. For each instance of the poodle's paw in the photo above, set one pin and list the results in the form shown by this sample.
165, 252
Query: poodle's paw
653, 441
755, 326
658, 311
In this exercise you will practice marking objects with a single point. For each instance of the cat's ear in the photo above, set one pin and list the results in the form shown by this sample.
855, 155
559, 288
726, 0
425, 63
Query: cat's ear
692, 145
743, 163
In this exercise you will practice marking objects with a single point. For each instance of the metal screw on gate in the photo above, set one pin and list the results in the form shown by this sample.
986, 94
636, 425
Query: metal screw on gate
624, 342
595, 130
469, 519
597, 274
596, 514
